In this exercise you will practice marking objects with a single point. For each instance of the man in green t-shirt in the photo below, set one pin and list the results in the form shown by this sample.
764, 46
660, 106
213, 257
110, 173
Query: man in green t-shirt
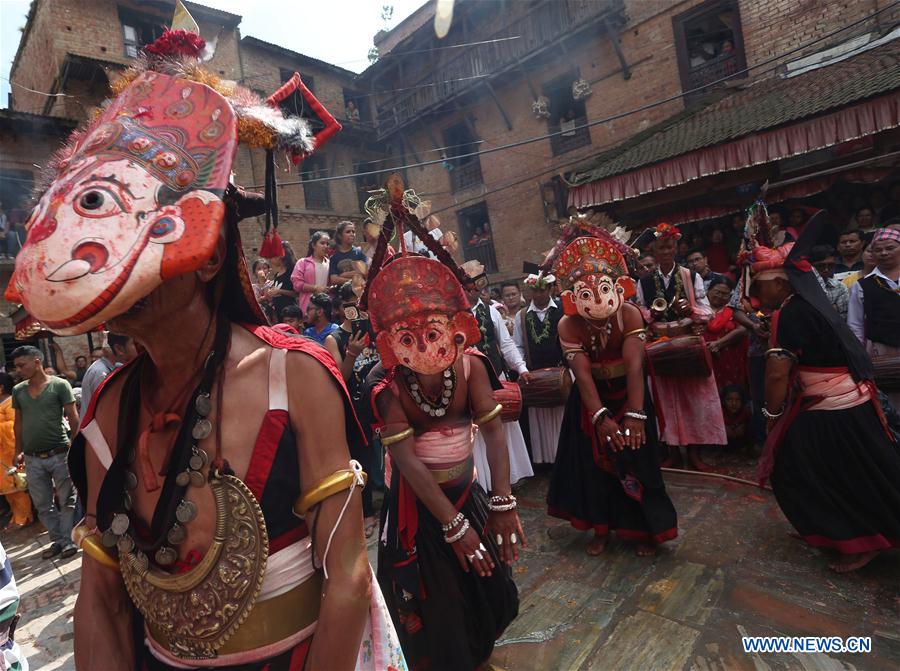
43, 405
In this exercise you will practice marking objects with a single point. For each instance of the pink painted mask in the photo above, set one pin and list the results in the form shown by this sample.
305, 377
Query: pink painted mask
138, 202
426, 344
598, 296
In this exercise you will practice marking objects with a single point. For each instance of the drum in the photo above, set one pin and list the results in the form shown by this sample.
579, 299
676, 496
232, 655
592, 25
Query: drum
684, 356
547, 388
887, 372
511, 399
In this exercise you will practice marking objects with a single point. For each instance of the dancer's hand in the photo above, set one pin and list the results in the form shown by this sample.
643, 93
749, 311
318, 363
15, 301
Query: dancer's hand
470, 550
610, 434
633, 430
505, 529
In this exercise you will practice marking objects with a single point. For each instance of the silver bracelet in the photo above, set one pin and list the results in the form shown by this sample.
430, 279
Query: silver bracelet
459, 534
456, 521
597, 415
769, 415
632, 414
502, 504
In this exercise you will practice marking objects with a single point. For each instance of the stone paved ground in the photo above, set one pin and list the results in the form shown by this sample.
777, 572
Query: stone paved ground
733, 570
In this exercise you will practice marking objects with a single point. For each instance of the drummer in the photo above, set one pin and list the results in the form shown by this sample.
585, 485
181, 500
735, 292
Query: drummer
674, 304
535, 334
497, 345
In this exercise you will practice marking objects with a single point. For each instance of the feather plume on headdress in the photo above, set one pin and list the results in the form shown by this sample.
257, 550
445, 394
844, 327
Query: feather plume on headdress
179, 53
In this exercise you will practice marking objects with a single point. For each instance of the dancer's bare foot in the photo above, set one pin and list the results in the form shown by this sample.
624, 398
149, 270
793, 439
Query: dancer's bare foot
645, 549
597, 545
847, 563
673, 460
695, 463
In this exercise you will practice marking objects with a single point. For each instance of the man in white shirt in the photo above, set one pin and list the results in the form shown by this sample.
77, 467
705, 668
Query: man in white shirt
535, 334
414, 244
500, 349
874, 310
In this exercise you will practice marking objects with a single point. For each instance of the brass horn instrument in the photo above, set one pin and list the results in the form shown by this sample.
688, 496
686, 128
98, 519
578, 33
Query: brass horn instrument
659, 305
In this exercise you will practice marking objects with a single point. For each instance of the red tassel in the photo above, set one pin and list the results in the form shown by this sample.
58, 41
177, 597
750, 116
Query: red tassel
272, 247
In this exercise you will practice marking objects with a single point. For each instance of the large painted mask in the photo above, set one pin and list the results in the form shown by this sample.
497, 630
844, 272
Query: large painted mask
421, 315
138, 201
594, 278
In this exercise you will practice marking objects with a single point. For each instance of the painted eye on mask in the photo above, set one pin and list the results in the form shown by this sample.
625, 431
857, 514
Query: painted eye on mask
586, 295
433, 336
406, 340
96, 202
605, 289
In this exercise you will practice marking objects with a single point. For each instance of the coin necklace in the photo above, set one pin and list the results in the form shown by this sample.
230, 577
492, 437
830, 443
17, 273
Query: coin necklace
434, 407
173, 511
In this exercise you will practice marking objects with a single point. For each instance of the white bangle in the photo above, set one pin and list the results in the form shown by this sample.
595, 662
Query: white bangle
636, 415
459, 534
597, 415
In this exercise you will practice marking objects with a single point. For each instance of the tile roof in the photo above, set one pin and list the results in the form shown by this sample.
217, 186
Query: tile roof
760, 106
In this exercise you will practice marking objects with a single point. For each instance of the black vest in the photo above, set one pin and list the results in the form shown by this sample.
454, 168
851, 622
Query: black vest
881, 307
648, 287
547, 353
489, 345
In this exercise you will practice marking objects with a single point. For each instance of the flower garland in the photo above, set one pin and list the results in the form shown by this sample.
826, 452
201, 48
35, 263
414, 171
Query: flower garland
537, 338
679, 285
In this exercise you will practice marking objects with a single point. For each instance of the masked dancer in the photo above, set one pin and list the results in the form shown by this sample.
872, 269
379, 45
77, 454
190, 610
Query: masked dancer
606, 477
223, 522
446, 548
834, 467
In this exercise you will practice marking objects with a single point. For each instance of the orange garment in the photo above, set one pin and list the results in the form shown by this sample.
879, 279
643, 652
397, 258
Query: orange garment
19, 502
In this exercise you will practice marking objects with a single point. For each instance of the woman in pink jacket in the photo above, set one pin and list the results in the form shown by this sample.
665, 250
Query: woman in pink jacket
310, 275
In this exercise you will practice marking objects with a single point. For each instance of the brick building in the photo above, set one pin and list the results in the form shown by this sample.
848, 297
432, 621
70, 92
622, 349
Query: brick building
631, 53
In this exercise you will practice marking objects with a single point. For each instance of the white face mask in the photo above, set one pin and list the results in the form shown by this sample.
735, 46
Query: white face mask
598, 298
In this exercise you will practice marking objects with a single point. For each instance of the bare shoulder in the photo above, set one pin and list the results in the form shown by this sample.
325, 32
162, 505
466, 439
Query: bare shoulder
478, 368
570, 327
308, 376
631, 316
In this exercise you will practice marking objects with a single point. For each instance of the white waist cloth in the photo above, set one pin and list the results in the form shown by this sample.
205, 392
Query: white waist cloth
544, 425
519, 463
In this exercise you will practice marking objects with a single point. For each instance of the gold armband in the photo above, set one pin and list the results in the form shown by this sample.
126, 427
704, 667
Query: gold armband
330, 485
488, 416
640, 333
569, 352
780, 351
396, 437
89, 541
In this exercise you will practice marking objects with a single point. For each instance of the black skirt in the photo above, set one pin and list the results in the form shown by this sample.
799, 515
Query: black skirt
445, 617
595, 488
837, 480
